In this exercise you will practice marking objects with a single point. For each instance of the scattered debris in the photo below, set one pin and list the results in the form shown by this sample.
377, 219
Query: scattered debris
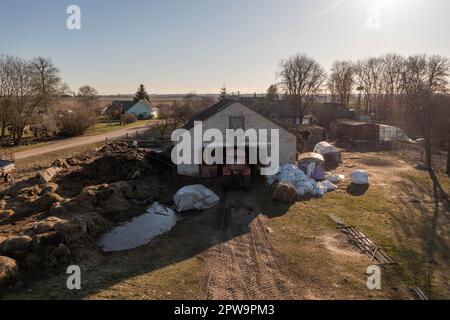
77, 199
359, 239
420, 293
8, 271
60, 163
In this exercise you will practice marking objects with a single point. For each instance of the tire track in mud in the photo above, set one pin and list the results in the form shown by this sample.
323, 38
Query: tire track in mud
244, 264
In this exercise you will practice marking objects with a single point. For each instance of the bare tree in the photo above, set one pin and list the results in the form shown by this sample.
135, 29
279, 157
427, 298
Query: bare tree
341, 81
272, 92
26, 100
301, 77
87, 96
6, 93
46, 80
424, 79
368, 77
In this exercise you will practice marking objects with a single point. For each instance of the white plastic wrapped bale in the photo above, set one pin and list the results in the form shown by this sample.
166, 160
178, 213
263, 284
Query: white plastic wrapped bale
360, 177
292, 175
324, 147
195, 197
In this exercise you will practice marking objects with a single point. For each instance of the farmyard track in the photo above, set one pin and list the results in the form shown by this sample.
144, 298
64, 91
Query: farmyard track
244, 265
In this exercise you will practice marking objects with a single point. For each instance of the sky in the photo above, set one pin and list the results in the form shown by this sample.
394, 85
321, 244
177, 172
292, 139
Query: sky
180, 46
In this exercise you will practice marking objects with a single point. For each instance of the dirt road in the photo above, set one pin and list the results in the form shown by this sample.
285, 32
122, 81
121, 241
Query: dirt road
244, 265
78, 141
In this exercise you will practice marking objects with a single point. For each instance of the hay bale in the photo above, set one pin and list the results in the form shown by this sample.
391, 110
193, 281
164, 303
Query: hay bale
47, 200
16, 246
57, 209
284, 193
48, 175
6, 213
45, 225
74, 162
60, 163
90, 224
50, 187
8, 271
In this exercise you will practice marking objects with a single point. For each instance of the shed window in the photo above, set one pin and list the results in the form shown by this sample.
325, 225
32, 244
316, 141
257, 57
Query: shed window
237, 123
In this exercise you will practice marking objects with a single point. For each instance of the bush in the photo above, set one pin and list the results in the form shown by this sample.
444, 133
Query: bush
77, 122
129, 118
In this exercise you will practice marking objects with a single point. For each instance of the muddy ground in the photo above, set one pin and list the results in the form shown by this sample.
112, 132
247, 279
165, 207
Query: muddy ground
247, 247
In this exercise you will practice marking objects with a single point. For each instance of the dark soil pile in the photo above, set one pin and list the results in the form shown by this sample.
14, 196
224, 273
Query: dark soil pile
118, 162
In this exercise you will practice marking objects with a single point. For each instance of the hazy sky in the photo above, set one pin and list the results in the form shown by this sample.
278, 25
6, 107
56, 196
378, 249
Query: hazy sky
178, 46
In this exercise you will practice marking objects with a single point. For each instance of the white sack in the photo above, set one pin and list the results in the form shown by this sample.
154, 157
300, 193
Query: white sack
195, 197
360, 177
334, 177
327, 184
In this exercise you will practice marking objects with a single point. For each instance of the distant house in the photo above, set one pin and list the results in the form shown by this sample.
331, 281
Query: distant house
141, 109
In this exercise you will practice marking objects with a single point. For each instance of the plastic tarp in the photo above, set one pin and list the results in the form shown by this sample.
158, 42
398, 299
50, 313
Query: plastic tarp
292, 175
391, 133
324, 147
195, 197
360, 177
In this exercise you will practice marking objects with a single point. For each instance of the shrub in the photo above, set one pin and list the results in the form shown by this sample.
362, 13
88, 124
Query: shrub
129, 118
77, 122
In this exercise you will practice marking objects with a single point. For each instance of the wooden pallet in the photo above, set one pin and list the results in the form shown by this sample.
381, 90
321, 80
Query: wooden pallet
360, 240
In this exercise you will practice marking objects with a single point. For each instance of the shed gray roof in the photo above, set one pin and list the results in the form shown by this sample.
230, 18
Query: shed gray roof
219, 106
208, 112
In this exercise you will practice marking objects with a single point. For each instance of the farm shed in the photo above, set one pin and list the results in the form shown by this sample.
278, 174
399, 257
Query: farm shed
391, 133
358, 130
231, 114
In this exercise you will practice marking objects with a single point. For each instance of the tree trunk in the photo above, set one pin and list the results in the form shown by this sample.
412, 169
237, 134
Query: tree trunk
448, 153
428, 152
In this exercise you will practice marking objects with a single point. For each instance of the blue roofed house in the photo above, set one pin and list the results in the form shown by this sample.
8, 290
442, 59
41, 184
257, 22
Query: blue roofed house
141, 109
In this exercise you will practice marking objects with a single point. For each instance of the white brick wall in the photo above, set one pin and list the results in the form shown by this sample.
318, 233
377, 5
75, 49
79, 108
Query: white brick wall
220, 120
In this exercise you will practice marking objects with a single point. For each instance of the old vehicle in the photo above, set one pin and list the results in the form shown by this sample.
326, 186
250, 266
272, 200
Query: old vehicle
7, 170
236, 171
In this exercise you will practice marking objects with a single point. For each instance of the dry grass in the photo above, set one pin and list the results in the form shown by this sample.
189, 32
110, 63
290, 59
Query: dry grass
314, 256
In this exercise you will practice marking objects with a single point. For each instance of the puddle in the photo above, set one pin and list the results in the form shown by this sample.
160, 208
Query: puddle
139, 231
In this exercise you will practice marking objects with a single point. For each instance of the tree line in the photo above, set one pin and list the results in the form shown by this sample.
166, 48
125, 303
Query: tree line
410, 91
28, 91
